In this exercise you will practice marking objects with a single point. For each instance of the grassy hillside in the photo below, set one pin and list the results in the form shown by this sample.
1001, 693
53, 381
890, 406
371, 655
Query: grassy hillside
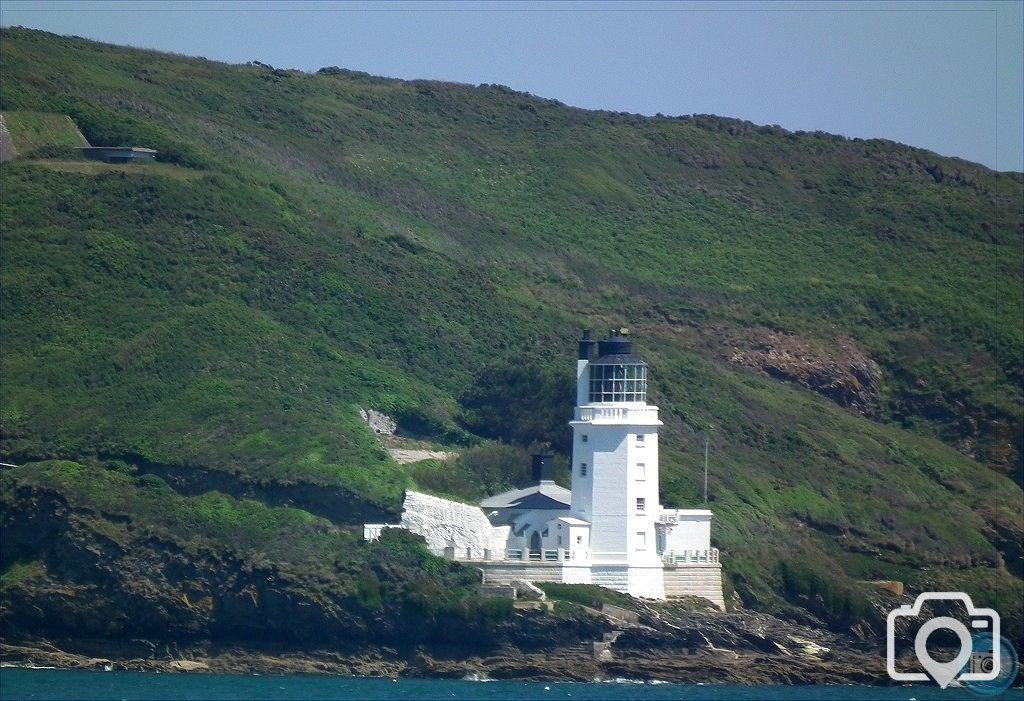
430, 250
33, 130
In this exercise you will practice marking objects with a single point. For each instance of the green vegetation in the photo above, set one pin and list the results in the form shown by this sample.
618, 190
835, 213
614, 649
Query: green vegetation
244, 526
97, 167
430, 250
19, 572
819, 593
31, 131
316, 562
585, 595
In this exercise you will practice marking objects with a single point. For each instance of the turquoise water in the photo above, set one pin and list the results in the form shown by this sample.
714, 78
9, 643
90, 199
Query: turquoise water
16, 684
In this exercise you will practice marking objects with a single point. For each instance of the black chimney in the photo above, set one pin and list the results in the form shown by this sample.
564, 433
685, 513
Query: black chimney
586, 345
616, 344
543, 467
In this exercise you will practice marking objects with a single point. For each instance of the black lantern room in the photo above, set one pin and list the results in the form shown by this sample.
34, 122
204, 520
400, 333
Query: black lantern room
616, 375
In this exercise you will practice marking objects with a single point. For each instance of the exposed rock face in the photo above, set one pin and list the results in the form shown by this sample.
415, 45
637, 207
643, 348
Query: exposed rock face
382, 424
101, 594
844, 374
405, 456
680, 646
402, 450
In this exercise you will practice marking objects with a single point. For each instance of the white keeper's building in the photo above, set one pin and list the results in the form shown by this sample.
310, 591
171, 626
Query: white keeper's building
609, 528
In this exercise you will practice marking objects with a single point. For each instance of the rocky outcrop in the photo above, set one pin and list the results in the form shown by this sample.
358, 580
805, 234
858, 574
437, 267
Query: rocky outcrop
406, 456
838, 368
737, 648
844, 373
379, 422
90, 590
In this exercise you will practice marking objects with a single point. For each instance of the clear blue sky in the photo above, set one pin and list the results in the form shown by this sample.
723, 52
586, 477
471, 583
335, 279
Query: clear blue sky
946, 76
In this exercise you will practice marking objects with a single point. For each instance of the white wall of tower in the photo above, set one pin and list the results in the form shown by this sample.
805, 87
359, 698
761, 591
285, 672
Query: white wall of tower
582, 382
617, 491
691, 530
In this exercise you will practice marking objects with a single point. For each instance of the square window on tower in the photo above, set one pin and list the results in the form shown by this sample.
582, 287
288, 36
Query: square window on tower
583, 438
640, 439
641, 504
583, 469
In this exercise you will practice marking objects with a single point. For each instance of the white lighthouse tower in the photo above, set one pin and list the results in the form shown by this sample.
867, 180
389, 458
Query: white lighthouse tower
609, 529
615, 466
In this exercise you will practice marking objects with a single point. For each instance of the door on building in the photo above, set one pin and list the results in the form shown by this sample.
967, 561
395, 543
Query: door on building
535, 546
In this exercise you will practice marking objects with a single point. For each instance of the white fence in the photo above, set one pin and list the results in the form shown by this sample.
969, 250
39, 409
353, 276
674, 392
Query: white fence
515, 555
372, 531
690, 557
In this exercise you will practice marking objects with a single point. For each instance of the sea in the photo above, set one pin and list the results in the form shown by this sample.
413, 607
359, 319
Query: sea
78, 685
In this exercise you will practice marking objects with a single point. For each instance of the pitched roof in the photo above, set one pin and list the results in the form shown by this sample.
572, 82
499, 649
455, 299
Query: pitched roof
546, 495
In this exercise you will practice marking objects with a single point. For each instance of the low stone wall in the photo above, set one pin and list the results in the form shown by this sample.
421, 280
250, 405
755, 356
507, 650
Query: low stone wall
893, 587
689, 580
508, 572
696, 580
616, 578
620, 613
498, 591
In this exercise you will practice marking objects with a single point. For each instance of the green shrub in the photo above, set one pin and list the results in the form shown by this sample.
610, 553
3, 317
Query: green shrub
837, 602
568, 609
585, 594
368, 590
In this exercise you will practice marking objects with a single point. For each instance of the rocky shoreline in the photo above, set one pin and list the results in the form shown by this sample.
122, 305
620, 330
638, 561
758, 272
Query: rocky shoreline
724, 667
673, 645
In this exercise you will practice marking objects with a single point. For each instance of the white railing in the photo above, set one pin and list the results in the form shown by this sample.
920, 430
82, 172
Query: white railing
453, 553
372, 531
691, 557
642, 414
556, 555
673, 516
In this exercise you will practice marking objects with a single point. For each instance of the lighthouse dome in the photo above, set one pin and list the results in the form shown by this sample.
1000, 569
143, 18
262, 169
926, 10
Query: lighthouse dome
617, 375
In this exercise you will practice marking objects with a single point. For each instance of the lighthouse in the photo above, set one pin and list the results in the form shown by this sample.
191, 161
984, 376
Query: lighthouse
608, 528
615, 466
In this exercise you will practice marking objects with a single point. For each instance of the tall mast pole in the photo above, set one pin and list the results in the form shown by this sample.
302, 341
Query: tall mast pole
706, 442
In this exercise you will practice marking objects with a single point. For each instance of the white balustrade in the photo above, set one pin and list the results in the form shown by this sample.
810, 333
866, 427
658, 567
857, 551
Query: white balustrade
691, 557
641, 414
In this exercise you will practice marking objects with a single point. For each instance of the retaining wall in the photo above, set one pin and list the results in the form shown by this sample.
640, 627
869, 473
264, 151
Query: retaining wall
696, 580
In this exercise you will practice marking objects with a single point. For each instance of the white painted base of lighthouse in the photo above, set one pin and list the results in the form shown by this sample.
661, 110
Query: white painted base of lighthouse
704, 581
643, 582
461, 532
